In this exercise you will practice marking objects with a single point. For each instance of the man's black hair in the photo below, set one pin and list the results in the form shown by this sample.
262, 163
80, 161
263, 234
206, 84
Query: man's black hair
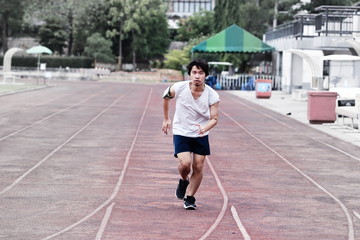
199, 63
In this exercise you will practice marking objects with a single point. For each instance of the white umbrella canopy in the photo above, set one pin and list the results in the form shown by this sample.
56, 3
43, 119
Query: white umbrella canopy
39, 50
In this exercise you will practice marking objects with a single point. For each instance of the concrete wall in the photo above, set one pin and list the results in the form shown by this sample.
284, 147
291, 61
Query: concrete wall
298, 70
286, 72
316, 43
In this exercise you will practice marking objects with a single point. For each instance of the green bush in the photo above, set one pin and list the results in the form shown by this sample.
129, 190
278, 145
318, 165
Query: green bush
99, 48
52, 62
175, 59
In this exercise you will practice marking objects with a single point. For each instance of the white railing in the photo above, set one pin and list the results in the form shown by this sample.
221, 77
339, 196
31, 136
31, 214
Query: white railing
244, 82
55, 73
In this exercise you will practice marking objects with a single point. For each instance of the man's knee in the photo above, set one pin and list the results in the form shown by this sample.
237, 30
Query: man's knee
198, 163
198, 167
185, 164
184, 160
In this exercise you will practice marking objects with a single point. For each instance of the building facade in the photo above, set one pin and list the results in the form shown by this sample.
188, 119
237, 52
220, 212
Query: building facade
303, 44
186, 8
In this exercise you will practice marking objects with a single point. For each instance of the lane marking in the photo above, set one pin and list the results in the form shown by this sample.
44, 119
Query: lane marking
40, 104
225, 203
19, 179
104, 222
119, 182
30, 107
356, 214
239, 224
343, 207
48, 117
289, 126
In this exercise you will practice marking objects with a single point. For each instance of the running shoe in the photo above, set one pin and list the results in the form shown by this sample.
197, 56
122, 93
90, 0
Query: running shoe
189, 203
181, 189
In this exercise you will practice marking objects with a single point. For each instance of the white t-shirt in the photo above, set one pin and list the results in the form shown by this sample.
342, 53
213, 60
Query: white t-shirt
190, 111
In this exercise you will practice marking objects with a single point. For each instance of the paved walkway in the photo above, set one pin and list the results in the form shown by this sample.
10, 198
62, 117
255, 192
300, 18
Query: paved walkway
88, 160
283, 103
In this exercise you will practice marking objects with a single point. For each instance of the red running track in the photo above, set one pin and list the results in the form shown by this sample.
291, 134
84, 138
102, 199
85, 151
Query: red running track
88, 160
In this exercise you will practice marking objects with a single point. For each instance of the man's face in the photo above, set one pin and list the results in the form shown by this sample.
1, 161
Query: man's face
197, 76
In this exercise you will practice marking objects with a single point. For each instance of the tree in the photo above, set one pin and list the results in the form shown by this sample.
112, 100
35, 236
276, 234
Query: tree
72, 13
254, 19
10, 11
94, 20
285, 11
99, 48
140, 21
153, 39
226, 13
314, 4
134, 11
176, 59
117, 19
253, 16
200, 24
128, 13
53, 35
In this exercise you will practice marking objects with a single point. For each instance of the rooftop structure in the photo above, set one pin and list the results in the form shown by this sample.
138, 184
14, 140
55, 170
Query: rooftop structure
302, 44
186, 8
332, 21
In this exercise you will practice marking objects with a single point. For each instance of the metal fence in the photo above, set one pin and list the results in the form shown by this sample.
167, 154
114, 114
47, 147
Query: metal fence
245, 82
303, 26
332, 20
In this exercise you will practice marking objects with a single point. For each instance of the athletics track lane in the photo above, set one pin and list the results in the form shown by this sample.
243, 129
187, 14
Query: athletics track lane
273, 200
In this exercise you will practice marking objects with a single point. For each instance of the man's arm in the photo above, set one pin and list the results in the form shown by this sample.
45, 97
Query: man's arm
213, 119
168, 94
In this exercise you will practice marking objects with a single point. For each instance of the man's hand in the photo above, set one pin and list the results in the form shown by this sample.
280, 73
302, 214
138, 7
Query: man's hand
166, 126
201, 129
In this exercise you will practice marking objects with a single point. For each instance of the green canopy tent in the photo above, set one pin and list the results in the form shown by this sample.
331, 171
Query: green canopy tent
232, 39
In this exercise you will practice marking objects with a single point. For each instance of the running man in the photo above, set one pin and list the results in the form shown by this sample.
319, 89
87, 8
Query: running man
196, 113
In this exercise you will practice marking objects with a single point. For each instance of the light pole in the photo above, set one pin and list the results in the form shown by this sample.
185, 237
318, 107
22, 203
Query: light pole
276, 10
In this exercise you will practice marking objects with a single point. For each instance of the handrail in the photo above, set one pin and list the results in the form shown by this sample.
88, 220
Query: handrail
333, 21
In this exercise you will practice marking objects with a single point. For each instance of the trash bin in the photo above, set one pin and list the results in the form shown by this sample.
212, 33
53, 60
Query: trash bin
263, 88
321, 107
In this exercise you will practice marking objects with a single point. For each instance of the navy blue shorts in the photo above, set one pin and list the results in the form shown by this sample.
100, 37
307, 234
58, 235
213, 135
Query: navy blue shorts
198, 145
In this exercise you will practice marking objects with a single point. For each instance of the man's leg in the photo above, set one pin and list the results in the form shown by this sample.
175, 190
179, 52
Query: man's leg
184, 168
197, 174
195, 181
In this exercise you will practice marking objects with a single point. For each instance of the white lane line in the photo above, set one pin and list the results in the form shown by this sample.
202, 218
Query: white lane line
239, 223
343, 207
30, 107
119, 182
48, 117
225, 203
289, 126
356, 214
104, 222
19, 179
